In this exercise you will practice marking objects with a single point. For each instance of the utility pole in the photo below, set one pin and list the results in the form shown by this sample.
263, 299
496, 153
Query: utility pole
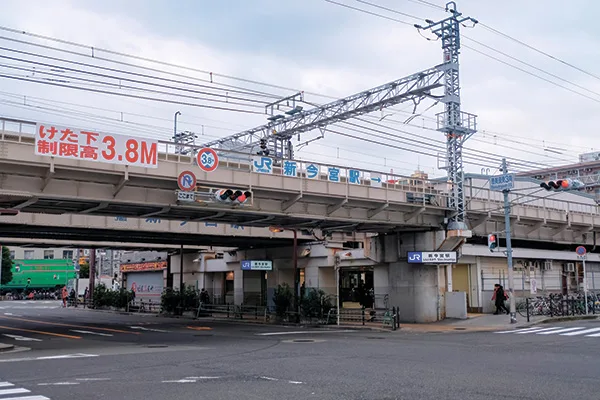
511, 272
458, 126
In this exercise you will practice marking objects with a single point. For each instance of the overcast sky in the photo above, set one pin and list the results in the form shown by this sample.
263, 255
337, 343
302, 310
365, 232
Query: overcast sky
324, 49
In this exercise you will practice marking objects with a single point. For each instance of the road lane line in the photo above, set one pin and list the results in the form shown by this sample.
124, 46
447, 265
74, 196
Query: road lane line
91, 333
148, 329
63, 356
21, 338
181, 381
70, 325
92, 379
303, 332
13, 391
6, 384
58, 384
268, 378
40, 332
27, 398
199, 328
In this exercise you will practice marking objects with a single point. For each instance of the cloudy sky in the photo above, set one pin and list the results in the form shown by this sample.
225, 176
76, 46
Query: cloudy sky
328, 51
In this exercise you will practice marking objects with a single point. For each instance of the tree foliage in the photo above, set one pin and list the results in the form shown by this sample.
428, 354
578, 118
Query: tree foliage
6, 266
84, 271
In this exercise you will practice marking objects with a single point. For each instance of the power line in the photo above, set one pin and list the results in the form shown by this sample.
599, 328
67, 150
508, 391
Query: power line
529, 65
531, 73
369, 12
232, 87
131, 95
388, 9
540, 51
123, 86
51, 66
261, 83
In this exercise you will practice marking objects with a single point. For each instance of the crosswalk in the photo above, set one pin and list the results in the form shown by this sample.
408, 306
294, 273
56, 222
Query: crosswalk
567, 331
9, 391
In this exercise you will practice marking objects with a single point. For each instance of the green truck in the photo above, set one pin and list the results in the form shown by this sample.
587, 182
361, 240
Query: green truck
40, 274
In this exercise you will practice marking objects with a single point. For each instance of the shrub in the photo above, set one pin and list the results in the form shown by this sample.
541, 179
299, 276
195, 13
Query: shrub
283, 298
171, 300
315, 304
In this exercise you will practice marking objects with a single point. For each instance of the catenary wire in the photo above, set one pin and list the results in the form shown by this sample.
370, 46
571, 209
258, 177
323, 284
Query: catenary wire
163, 63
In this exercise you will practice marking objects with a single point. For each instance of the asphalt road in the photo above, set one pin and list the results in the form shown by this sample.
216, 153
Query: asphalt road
78, 354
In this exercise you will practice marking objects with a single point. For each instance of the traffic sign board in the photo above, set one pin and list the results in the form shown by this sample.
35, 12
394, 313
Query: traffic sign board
208, 160
186, 181
502, 182
580, 250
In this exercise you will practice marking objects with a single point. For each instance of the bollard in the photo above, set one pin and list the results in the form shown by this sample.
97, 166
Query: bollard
227, 310
363, 315
527, 306
393, 318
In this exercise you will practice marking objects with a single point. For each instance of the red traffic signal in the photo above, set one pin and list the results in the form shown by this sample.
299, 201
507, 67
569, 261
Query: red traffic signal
562, 184
492, 241
232, 196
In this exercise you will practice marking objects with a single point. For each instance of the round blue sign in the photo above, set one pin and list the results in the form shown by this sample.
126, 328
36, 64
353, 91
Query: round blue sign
581, 250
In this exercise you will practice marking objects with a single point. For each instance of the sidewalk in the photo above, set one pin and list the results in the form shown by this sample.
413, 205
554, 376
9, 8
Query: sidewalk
473, 323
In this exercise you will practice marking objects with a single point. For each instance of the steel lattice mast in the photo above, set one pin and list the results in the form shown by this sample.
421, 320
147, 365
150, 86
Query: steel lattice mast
457, 125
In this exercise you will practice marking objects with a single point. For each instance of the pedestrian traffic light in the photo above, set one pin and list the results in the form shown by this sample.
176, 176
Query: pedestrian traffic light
492, 241
563, 184
232, 196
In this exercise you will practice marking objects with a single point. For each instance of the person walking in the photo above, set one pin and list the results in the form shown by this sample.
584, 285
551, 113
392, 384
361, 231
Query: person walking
499, 297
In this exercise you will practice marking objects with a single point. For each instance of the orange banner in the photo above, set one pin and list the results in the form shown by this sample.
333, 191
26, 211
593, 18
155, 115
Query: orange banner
145, 266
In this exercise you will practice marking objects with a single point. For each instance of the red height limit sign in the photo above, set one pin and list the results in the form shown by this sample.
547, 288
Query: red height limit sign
63, 142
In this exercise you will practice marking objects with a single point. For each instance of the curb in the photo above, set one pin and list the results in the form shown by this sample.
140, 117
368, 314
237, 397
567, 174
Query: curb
566, 319
6, 347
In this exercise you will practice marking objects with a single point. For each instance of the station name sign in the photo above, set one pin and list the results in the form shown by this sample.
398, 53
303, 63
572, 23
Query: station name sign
257, 265
432, 257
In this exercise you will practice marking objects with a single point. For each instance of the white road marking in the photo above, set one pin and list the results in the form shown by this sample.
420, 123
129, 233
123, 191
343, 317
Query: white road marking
591, 330
8, 313
92, 379
27, 398
203, 377
539, 330
517, 330
58, 384
21, 338
148, 329
560, 331
91, 333
181, 381
302, 332
295, 382
269, 378
63, 356
6, 384
13, 391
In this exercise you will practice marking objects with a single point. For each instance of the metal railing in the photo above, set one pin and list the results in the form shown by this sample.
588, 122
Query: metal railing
559, 305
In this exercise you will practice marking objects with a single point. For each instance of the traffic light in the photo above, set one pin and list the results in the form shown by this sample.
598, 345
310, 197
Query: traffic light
264, 151
492, 241
563, 184
232, 196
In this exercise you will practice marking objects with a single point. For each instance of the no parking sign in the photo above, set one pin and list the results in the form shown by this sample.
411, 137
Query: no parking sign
208, 160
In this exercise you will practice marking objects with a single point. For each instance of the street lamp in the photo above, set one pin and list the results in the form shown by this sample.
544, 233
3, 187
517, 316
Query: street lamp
295, 263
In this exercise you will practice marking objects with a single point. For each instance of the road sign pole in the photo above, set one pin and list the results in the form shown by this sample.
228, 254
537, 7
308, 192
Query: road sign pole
511, 274
585, 290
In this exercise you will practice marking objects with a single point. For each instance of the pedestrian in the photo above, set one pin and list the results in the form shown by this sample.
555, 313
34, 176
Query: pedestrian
499, 297
65, 295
